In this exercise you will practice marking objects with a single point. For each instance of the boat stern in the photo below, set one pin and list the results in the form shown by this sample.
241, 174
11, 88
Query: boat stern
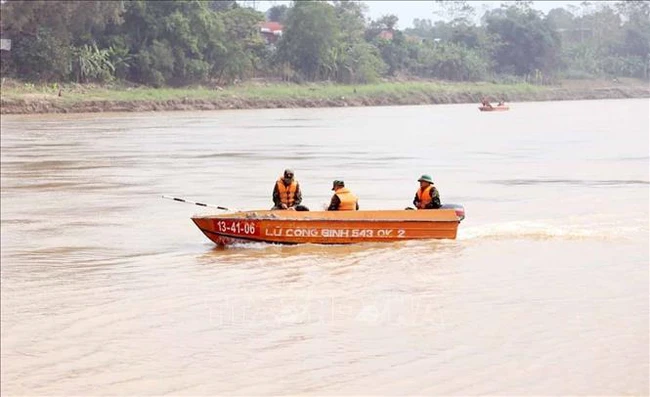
459, 209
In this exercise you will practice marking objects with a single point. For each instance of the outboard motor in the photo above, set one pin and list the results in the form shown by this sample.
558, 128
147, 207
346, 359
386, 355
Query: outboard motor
460, 210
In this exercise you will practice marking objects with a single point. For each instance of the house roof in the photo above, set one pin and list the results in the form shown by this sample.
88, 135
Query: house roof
386, 35
271, 27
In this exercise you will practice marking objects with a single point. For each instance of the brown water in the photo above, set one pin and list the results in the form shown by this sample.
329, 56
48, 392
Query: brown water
108, 289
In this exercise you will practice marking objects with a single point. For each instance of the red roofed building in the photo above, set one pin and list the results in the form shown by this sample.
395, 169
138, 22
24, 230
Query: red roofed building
386, 35
271, 31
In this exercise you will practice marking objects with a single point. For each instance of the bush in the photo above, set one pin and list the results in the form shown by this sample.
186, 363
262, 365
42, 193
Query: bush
450, 61
41, 58
630, 66
154, 65
574, 74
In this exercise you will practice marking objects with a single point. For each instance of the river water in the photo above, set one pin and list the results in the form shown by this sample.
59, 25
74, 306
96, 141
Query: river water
109, 289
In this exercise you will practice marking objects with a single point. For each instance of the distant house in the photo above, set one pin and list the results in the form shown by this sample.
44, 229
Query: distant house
413, 39
271, 31
386, 34
575, 34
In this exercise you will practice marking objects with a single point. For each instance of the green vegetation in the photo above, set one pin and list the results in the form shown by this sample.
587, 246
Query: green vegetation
22, 98
79, 93
181, 43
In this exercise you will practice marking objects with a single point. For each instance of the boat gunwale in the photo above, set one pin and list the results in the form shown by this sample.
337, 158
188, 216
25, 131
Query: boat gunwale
369, 216
329, 220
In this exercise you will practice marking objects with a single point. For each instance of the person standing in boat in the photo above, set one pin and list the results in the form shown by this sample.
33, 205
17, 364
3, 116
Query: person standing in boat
286, 193
427, 196
343, 199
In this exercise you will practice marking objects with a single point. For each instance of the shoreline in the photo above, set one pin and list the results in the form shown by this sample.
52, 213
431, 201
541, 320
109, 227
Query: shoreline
28, 99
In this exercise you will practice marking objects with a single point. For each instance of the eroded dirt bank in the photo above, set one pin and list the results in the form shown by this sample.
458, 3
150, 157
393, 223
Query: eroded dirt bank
58, 105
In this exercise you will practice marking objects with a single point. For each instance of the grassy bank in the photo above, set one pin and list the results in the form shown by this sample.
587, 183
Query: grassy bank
24, 98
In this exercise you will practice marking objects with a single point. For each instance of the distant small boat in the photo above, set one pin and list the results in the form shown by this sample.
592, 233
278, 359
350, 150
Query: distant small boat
331, 227
497, 108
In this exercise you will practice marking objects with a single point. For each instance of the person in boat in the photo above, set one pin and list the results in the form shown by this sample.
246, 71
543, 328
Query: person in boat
427, 196
343, 199
486, 103
287, 194
501, 103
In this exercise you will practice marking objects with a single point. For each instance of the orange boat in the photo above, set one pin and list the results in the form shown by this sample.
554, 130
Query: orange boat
498, 108
331, 227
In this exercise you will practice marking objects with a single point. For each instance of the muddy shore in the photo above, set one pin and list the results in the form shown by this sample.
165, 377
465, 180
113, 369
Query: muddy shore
50, 103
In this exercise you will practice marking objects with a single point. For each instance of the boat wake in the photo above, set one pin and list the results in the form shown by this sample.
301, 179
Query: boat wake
540, 230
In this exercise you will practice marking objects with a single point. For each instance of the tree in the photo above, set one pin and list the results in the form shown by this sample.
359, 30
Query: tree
384, 23
43, 33
527, 42
92, 63
560, 18
470, 36
388, 22
634, 9
174, 42
636, 30
421, 28
222, 5
67, 20
354, 59
244, 46
450, 61
40, 56
309, 38
394, 52
526, 5
455, 11
277, 13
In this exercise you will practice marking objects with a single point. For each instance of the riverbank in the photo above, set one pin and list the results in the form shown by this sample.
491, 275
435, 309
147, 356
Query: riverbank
21, 98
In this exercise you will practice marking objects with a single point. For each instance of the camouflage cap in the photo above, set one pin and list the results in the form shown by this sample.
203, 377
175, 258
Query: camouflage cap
337, 183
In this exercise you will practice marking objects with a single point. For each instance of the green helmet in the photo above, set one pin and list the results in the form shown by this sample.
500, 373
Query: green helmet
337, 183
288, 173
425, 178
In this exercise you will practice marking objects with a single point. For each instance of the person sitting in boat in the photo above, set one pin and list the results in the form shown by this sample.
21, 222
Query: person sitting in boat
343, 199
427, 196
286, 193
486, 103
501, 103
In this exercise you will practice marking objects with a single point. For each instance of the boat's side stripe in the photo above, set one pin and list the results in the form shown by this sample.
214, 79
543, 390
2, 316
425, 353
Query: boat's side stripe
219, 217
236, 237
244, 238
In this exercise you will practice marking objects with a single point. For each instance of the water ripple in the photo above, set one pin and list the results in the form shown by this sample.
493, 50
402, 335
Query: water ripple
569, 182
107, 289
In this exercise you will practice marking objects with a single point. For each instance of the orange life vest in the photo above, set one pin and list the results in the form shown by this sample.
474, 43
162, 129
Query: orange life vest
287, 193
348, 199
424, 196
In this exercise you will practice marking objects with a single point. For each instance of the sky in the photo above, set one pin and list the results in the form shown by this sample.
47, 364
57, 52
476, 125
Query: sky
406, 11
